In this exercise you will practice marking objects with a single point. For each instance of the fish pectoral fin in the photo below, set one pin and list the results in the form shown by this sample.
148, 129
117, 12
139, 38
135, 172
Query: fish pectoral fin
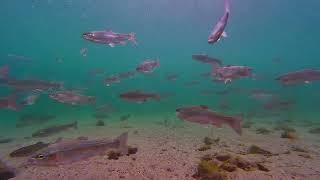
227, 81
111, 44
224, 34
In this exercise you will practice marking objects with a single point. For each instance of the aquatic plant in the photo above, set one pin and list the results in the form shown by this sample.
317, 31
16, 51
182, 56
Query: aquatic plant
207, 170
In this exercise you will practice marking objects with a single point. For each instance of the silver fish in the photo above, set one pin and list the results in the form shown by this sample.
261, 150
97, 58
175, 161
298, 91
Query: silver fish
66, 152
218, 30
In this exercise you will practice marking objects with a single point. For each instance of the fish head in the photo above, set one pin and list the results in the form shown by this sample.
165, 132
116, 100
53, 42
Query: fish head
89, 36
43, 159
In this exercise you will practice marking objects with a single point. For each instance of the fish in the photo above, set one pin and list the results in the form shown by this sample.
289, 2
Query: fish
9, 103
111, 80
54, 130
28, 150
139, 96
219, 29
66, 152
72, 98
203, 115
304, 76
109, 37
4, 70
203, 58
32, 119
228, 73
148, 66
30, 100
84, 52
30, 85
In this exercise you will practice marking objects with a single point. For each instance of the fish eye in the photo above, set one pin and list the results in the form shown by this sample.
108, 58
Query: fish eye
40, 156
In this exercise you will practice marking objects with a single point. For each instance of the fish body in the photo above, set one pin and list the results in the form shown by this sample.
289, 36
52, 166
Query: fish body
109, 37
32, 119
139, 96
229, 73
71, 98
9, 103
28, 150
300, 77
218, 30
203, 58
67, 152
54, 130
203, 115
148, 66
30, 85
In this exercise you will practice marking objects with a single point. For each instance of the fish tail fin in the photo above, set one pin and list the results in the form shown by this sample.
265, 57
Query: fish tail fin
227, 6
236, 124
123, 140
75, 125
12, 104
132, 37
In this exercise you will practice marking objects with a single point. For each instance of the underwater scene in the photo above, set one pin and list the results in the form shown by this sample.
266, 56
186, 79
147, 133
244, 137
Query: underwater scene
159, 90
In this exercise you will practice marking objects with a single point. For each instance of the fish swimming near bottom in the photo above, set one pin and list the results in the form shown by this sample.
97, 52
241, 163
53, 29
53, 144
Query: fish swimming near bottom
203, 115
54, 130
28, 150
304, 76
66, 152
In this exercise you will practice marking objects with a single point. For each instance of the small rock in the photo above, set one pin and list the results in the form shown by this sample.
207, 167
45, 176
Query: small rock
257, 150
263, 131
223, 157
204, 148
228, 167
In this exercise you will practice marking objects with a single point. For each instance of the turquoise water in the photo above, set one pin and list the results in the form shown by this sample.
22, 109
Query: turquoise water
171, 30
